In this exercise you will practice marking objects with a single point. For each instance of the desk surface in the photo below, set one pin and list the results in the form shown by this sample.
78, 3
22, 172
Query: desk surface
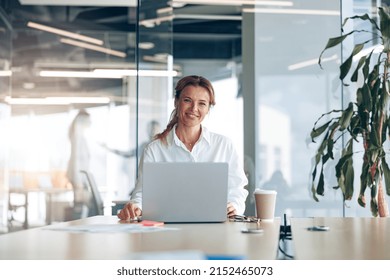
347, 238
211, 239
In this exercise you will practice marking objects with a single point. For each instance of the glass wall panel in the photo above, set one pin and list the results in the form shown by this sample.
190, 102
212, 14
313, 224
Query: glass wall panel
207, 42
73, 103
5, 77
291, 91
156, 70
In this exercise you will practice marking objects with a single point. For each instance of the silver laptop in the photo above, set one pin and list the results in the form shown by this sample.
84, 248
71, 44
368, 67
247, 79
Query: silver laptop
185, 192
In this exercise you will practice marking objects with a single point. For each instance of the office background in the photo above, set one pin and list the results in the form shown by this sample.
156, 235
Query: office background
261, 59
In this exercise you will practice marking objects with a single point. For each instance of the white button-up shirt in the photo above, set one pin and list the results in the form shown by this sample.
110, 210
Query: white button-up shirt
211, 147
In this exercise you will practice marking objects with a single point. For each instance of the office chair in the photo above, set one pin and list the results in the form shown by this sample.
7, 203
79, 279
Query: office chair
96, 205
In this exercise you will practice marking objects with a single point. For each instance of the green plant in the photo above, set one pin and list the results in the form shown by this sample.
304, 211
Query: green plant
365, 121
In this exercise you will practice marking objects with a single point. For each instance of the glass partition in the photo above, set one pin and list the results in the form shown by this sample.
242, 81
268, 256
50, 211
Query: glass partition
5, 88
156, 69
87, 87
72, 107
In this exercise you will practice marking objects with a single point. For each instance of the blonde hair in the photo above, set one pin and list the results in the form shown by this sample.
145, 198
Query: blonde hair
193, 80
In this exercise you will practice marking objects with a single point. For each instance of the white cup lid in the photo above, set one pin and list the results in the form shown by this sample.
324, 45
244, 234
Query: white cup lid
265, 191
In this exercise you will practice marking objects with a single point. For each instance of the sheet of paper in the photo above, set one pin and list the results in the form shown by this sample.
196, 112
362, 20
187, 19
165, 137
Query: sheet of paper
114, 228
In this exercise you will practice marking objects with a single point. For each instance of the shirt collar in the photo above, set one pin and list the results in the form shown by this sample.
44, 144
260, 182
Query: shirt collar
173, 139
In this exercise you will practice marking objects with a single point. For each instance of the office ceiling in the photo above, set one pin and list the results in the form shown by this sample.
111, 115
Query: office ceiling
35, 50
199, 32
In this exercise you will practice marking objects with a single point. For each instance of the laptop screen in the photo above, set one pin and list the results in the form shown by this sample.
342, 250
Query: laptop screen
184, 192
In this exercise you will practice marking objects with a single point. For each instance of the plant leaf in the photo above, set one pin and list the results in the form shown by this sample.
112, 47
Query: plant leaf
386, 174
356, 72
313, 191
374, 141
363, 184
346, 116
374, 202
344, 68
318, 131
332, 42
362, 17
349, 178
362, 200
384, 27
330, 148
320, 186
366, 97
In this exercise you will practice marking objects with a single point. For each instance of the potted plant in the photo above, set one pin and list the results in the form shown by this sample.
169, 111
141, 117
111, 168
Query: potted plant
364, 124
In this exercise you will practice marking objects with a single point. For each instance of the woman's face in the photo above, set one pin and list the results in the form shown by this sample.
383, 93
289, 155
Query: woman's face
193, 105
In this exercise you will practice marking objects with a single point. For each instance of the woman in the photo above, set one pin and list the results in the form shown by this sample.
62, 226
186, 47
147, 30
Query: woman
185, 139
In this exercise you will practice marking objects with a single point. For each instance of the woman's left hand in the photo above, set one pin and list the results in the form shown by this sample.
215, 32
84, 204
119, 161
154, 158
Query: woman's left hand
231, 211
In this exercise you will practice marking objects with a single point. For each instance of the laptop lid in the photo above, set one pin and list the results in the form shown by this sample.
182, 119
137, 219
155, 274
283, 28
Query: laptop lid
185, 192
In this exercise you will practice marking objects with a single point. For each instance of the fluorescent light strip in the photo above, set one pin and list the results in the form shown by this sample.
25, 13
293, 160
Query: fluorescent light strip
292, 11
212, 17
164, 10
156, 21
57, 100
92, 47
108, 73
5, 73
141, 73
235, 2
116, 3
78, 74
152, 22
310, 63
64, 33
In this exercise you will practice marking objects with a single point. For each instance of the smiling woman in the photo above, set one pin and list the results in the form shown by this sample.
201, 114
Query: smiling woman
194, 97
185, 139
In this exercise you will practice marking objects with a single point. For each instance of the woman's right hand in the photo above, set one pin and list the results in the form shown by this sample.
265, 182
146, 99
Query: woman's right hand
129, 212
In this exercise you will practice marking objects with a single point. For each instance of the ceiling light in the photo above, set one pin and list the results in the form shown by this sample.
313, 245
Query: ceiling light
212, 17
64, 33
141, 73
92, 47
108, 73
78, 74
146, 45
157, 21
164, 10
117, 3
57, 100
28, 85
292, 11
5, 73
235, 2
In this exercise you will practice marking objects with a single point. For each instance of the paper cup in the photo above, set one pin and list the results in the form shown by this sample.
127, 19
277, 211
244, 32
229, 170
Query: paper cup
265, 204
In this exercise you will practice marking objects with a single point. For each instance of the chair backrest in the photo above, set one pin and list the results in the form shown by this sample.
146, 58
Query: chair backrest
96, 207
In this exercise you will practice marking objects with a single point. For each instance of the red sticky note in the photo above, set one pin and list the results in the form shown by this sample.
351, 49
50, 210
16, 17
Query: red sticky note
148, 223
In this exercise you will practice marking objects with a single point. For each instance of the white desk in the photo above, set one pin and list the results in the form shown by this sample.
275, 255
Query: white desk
211, 239
347, 238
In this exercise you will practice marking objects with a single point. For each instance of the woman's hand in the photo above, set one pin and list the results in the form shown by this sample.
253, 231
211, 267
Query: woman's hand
231, 211
130, 211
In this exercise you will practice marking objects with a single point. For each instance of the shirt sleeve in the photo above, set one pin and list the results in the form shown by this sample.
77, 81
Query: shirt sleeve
136, 195
237, 181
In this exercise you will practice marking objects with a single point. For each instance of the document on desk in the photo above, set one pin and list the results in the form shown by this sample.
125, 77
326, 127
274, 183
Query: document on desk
114, 228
